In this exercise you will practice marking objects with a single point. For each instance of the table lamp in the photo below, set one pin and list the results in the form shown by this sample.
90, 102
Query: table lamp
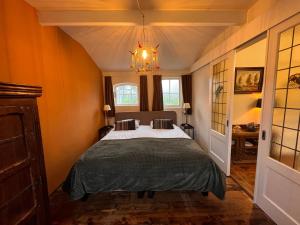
186, 106
106, 108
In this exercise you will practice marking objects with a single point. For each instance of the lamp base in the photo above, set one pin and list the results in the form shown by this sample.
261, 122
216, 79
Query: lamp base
186, 118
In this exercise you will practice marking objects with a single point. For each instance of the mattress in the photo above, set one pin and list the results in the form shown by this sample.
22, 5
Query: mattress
145, 160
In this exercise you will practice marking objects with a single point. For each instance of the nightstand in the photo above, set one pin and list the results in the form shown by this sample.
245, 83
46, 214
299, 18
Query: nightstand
104, 131
188, 129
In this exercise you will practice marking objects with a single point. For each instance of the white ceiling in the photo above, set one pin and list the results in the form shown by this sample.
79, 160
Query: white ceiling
182, 35
109, 46
145, 4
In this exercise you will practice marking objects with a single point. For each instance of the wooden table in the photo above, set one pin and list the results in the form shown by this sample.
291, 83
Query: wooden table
240, 152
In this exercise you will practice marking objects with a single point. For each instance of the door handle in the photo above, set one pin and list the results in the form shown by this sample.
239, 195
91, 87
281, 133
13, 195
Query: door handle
263, 135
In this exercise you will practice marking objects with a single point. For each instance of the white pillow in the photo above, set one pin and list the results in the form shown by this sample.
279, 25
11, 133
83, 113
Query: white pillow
137, 123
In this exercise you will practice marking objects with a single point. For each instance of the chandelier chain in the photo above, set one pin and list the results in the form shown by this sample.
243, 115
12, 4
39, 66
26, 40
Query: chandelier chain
143, 16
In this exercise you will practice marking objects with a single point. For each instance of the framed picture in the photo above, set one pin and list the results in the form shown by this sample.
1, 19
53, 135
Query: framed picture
248, 80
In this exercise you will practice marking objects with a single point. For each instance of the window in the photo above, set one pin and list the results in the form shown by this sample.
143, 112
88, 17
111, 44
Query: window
171, 92
126, 94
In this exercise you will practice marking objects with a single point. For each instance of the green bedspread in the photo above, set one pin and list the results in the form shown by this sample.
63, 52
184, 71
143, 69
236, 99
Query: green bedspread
144, 164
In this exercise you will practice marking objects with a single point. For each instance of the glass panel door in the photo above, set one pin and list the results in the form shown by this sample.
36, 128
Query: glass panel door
219, 97
286, 109
221, 90
277, 189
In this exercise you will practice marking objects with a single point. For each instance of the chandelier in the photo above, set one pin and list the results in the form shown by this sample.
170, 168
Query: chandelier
145, 57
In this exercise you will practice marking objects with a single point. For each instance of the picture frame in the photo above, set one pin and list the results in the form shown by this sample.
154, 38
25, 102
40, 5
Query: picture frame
248, 80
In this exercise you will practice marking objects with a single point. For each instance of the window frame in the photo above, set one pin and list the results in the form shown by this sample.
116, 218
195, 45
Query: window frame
180, 92
115, 86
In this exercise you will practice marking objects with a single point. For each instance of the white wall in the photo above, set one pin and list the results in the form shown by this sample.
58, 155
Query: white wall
260, 7
244, 110
133, 77
263, 15
253, 55
201, 110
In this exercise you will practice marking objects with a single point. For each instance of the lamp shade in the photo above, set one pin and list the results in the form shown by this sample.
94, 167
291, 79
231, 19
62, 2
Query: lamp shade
106, 108
258, 103
186, 105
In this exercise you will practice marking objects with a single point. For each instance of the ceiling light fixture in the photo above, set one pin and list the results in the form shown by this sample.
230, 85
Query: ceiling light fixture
145, 57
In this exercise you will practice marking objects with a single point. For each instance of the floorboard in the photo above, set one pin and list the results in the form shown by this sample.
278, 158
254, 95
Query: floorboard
166, 208
244, 175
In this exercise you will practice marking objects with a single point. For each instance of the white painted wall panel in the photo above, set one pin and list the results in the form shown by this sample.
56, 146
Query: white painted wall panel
201, 110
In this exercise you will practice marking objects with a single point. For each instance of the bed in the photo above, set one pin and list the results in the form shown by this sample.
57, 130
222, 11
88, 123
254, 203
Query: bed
145, 159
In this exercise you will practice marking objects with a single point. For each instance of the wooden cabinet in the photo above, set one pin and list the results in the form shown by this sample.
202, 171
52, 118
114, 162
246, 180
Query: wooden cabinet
23, 186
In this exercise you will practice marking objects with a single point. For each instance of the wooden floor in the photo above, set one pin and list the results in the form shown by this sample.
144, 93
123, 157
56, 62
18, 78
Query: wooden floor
244, 175
167, 208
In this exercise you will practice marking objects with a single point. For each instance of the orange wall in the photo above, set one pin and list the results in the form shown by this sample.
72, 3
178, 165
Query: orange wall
72, 84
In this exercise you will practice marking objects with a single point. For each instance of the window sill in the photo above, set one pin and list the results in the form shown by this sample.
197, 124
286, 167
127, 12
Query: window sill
172, 107
126, 105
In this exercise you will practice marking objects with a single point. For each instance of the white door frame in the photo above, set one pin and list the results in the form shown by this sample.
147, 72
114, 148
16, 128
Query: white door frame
277, 186
225, 140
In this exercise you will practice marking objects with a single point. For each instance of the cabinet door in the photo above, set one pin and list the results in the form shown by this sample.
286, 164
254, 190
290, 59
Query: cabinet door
20, 177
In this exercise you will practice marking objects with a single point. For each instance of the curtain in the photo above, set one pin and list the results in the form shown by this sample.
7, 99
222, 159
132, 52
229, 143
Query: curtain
158, 104
187, 90
143, 93
109, 96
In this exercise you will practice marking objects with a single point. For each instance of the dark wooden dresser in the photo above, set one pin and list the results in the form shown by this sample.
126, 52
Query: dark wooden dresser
23, 185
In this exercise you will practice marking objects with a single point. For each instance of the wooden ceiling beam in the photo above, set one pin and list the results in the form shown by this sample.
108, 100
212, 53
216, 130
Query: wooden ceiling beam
133, 17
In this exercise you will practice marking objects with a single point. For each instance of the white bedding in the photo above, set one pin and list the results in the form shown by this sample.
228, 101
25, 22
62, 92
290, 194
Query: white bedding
148, 132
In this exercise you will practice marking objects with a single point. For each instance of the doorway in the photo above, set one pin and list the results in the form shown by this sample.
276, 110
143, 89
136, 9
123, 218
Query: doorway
250, 61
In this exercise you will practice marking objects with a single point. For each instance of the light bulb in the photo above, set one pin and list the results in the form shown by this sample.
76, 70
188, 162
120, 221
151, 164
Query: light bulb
144, 54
